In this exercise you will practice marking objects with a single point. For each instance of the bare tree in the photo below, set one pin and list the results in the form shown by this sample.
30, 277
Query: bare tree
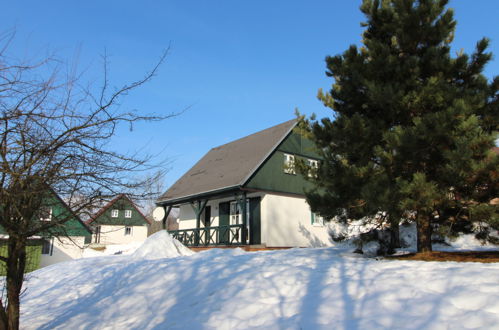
54, 137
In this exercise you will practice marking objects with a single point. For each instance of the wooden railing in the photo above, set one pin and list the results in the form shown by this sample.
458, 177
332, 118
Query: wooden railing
221, 235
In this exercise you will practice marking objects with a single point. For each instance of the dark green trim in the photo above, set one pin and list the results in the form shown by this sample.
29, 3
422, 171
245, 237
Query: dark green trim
223, 220
198, 210
220, 193
255, 221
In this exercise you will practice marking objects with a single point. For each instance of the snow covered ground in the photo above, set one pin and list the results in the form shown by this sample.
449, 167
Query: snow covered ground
163, 286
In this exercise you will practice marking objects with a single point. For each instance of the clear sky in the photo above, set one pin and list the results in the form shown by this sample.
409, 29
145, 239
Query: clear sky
241, 66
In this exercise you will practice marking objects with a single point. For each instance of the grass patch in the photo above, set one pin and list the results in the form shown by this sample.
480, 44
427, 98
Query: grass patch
459, 256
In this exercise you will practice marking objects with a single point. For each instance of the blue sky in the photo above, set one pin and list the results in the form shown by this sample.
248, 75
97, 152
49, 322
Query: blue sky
240, 66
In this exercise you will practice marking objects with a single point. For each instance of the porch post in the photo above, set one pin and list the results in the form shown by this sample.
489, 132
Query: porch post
198, 209
168, 209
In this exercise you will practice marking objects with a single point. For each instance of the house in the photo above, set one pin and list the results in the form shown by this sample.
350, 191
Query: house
248, 192
61, 243
118, 222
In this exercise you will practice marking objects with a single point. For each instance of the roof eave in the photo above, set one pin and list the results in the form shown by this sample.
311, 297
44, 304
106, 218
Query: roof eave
188, 198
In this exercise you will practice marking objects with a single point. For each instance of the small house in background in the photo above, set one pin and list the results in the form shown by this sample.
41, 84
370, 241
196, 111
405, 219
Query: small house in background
61, 243
118, 222
248, 192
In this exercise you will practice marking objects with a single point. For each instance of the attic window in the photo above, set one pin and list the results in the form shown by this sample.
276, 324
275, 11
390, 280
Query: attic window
289, 164
128, 213
114, 213
46, 214
313, 166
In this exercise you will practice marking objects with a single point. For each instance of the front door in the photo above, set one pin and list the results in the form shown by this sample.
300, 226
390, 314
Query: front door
223, 219
254, 221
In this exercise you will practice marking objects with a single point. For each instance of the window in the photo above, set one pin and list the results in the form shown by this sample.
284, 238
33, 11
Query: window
313, 166
47, 246
317, 220
114, 213
46, 214
128, 213
235, 214
97, 234
207, 216
289, 164
128, 231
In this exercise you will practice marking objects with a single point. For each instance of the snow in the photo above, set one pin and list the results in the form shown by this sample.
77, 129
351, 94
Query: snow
97, 250
161, 245
320, 288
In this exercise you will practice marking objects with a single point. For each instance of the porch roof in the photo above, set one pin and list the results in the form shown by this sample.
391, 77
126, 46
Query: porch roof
228, 166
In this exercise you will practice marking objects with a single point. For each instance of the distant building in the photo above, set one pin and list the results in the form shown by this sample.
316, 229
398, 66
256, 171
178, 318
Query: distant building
118, 222
61, 243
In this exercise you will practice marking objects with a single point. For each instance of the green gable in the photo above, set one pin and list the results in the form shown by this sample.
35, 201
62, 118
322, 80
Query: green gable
60, 211
121, 212
73, 227
271, 175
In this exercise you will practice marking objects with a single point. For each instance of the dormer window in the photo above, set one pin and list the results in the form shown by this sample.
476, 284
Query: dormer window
289, 164
46, 214
128, 213
313, 166
114, 213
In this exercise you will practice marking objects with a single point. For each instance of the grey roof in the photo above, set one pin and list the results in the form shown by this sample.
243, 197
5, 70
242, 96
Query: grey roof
229, 165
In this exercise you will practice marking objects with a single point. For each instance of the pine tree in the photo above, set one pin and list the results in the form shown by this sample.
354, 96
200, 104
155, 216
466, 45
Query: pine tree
412, 127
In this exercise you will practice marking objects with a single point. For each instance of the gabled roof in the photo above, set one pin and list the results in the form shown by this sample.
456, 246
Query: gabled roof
111, 203
229, 165
65, 205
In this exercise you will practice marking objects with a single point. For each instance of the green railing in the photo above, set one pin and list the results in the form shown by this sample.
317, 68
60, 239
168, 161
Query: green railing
221, 235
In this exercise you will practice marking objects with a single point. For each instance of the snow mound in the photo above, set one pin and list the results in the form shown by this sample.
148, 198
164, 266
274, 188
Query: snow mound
111, 249
161, 245
319, 289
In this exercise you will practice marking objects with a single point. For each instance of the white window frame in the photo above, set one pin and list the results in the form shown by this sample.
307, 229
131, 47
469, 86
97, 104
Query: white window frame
115, 213
235, 217
314, 165
128, 213
128, 231
289, 164
317, 220
48, 216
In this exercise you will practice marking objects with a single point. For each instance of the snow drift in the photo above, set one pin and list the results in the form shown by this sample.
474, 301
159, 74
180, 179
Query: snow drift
161, 245
324, 288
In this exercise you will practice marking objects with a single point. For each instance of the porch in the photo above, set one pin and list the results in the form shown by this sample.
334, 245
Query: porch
227, 235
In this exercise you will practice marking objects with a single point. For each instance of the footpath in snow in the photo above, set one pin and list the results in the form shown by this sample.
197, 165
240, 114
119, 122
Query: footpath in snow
164, 286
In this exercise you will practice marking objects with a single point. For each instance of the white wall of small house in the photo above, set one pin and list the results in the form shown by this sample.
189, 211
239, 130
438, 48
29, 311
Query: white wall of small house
110, 234
287, 222
63, 249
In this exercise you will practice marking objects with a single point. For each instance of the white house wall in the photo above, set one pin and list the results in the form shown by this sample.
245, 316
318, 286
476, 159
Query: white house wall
286, 221
64, 249
116, 234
